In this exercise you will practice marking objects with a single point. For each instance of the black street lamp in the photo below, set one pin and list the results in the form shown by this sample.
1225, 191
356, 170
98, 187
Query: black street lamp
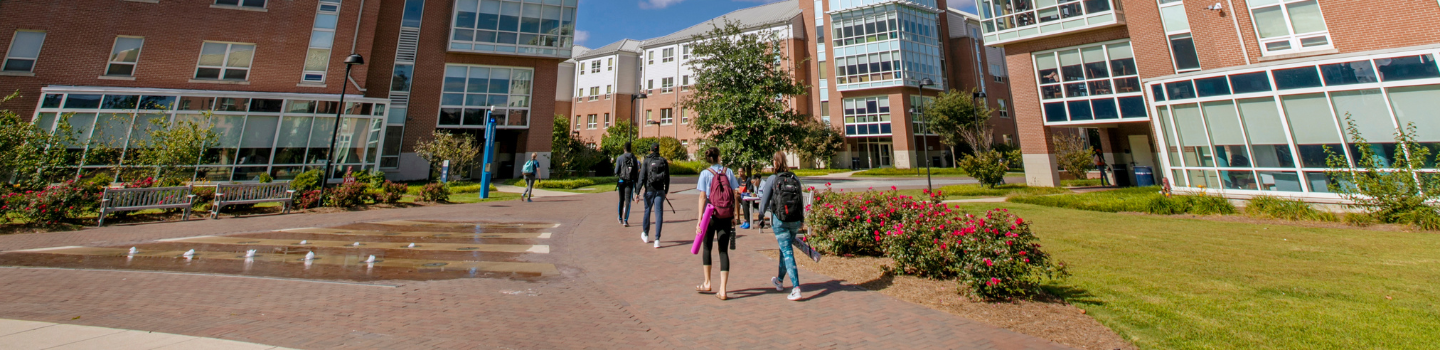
925, 135
354, 59
635, 114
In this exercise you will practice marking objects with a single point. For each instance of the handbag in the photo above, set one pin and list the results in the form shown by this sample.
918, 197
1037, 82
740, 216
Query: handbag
704, 226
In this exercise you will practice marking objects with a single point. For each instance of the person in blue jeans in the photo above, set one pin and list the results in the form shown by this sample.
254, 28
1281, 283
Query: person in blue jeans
781, 194
627, 169
655, 179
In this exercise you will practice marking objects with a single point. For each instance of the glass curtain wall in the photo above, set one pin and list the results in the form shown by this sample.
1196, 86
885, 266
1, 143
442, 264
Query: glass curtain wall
528, 28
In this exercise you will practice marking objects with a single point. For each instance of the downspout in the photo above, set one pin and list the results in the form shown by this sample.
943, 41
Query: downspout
1236, 23
355, 39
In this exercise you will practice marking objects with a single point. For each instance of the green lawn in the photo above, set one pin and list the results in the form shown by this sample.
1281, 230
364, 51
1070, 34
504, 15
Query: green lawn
1080, 183
920, 172
978, 191
1172, 283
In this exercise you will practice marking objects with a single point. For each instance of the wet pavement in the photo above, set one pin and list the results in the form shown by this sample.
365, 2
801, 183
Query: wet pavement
370, 251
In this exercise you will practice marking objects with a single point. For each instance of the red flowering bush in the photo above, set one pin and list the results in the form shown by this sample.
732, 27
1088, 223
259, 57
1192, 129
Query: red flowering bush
996, 256
54, 204
390, 192
351, 193
434, 192
307, 199
146, 182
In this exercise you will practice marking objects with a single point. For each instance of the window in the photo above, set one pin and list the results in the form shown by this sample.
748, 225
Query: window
1177, 29
1094, 82
867, 116
400, 80
595, 66
317, 59
123, 56
684, 116
607, 120
1286, 26
512, 27
590, 121
652, 57
1022, 17
1004, 112
685, 51
648, 117
24, 50
1182, 48
469, 91
650, 84
667, 116
582, 69
242, 3
607, 91
685, 80
824, 69
667, 85
609, 64
413, 11
224, 61
667, 55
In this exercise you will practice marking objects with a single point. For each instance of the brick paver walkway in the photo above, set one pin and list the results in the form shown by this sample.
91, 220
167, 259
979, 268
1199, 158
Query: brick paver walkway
613, 292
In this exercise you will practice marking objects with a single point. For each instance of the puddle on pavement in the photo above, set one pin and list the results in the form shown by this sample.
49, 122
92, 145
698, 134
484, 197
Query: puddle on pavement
440, 250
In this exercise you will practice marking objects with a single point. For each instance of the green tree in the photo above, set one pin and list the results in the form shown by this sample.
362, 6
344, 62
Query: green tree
671, 149
959, 117
819, 143
33, 156
570, 156
1074, 155
742, 87
612, 144
1392, 191
172, 151
461, 150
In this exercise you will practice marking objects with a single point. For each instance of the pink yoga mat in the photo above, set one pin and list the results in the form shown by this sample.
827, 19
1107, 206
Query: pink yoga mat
704, 226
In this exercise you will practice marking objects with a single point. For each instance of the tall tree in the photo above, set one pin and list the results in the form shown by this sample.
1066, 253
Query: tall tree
819, 143
959, 117
615, 137
742, 91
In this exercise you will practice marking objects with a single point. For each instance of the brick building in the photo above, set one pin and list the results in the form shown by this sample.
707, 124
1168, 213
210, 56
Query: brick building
881, 74
271, 73
1238, 97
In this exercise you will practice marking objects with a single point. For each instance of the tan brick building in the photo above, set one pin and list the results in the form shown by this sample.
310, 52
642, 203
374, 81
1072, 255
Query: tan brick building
272, 71
1237, 97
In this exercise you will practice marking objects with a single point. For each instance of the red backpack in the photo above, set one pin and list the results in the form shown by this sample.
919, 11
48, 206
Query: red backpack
721, 196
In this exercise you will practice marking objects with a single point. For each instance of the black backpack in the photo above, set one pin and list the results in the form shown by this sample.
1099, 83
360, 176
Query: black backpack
627, 167
788, 199
657, 174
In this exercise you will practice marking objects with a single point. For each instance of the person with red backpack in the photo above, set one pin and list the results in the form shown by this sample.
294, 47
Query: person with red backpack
718, 196
784, 196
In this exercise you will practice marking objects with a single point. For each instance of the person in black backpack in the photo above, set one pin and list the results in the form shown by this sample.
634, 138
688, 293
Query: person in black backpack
626, 172
656, 179
783, 195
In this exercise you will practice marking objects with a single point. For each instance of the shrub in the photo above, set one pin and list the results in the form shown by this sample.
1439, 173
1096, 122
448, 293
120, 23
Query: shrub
1191, 204
1001, 190
98, 182
1001, 257
372, 178
307, 199
306, 181
988, 167
1392, 191
203, 196
1135, 199
687, 167
52, 205
1285, 209
853, 223
146, 182
568, 184
434, 192
1073, 154
264, 178
349, 194
390, 192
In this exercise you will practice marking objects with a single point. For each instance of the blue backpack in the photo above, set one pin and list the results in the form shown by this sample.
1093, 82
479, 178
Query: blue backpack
529, 167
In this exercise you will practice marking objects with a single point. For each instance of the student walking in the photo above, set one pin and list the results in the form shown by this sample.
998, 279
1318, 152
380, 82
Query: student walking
627, 170
718, 190
531, 170
783, 195
656, 180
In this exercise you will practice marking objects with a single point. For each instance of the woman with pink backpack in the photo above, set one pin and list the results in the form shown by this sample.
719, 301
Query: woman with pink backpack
718, 200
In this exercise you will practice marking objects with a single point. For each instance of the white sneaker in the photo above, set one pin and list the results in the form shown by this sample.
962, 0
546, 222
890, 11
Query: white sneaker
657, 243
644, 237
778, 286
794, 294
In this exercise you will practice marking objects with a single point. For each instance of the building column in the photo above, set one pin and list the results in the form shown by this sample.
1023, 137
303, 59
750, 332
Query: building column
903, 147
1038, 153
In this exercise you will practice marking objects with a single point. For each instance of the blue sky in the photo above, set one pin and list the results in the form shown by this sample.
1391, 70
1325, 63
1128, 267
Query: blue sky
645, 19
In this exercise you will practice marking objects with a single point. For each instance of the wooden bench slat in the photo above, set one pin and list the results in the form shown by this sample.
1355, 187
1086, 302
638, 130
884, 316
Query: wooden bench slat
251, 194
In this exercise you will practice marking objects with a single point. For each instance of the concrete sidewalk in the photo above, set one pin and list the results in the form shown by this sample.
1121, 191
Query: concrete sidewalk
15, 334
539, 193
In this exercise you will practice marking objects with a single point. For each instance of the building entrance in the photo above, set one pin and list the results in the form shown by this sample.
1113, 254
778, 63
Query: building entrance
874, 153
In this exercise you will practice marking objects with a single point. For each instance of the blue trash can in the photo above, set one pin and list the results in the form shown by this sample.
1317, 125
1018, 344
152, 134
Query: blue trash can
1144, 176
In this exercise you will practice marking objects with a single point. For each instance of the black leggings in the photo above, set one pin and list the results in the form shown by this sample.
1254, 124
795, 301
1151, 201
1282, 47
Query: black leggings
721, 230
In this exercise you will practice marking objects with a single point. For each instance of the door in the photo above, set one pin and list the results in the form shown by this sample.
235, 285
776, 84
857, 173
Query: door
884, 152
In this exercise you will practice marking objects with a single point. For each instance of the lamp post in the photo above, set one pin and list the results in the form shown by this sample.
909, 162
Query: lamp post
925, 135
635, 114
354, 59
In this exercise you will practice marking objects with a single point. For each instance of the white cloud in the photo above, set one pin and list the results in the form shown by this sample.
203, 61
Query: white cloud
581, 36
657, 4
962, 5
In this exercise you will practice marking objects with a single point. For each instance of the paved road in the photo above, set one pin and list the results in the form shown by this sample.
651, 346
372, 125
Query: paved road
612, 292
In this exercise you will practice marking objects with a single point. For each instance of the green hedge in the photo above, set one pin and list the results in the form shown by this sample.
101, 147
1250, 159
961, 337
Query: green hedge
909, 172
566, 184
1135, 199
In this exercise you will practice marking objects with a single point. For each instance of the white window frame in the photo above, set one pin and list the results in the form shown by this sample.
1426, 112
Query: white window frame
1294, 38
225, 60
667, 85
318, 76
1105, 45
11, 49
651, 59
590, 121
1170, 35
684, 52
530, 107
594, 93
110, 61
595, 66
667, 55
609, 64
241, 4
608, 91
667, 116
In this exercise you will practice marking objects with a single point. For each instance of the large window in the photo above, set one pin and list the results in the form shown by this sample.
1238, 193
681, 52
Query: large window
1009, 20
1286, 26
224, 61
241, 3
667, 85
24, 50
667, 116
889, 45
123, 56
528, 28
470, 91
322, 37
595, 66
867, 116
667, 54
1177, 30
1090, 83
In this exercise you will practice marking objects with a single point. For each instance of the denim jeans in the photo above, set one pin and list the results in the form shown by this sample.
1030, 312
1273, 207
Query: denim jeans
655, 200
785, 235
627, 196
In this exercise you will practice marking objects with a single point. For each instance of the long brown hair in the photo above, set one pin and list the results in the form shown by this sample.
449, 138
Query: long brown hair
779, 161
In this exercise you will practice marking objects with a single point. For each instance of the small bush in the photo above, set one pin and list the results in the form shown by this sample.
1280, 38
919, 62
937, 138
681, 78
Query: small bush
989, 167
1000, 191
434, 192
1285, 209
1189, 204
306, 181
264, 178
349, 194
98, 182
307, 199
372, 178
390, 192
1002, 257
567, 184
203, 197
1423, 218
52, 205
687, 167
146, 182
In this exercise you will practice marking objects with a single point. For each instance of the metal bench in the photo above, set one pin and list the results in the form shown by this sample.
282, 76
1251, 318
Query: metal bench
252, 194
132, 199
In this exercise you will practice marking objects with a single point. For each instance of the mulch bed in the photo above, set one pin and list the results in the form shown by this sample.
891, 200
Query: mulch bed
1048, 318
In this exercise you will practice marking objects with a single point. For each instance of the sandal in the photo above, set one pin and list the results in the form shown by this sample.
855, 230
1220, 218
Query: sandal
722, 296
704, 289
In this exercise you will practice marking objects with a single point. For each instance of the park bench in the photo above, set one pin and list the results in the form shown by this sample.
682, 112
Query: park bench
132, 199
252, 194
